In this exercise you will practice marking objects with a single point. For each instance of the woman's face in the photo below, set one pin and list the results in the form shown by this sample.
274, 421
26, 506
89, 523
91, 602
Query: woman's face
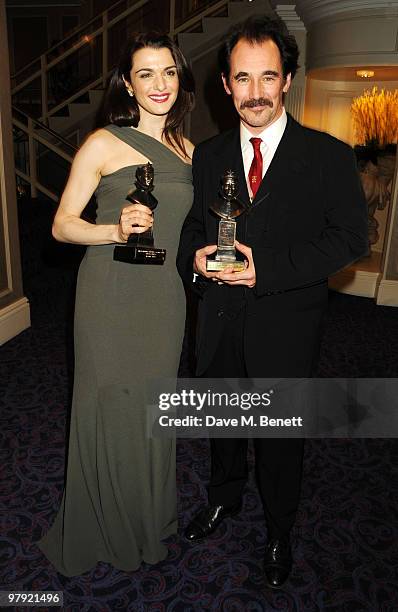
154, 80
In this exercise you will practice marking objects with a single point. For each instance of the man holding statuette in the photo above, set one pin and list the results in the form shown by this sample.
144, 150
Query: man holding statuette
227, 206
306, 219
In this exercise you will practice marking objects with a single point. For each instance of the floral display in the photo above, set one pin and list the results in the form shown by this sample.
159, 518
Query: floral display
375, 115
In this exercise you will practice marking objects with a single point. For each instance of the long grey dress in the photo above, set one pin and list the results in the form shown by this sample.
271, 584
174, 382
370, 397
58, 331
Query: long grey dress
119, 500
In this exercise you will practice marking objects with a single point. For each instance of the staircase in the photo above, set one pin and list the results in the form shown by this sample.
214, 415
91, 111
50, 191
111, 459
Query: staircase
212, 28
60, 92
63, 88
79, 118
42, 157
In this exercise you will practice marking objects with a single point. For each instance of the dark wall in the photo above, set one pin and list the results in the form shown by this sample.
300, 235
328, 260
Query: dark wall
214, 111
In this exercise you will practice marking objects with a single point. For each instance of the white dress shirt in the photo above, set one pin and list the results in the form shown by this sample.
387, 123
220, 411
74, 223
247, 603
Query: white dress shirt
270, 136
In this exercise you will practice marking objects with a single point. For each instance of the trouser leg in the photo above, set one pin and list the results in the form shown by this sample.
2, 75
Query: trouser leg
228, 455
279, 464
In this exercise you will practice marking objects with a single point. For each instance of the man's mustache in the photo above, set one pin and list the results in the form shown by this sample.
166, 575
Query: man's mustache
256, 102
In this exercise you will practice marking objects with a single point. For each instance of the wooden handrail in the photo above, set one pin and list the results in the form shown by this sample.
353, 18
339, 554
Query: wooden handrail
33, 137
41, 126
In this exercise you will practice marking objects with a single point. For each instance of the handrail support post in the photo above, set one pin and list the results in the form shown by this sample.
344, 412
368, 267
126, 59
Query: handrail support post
32, 160
44, 91
172, 18
104, 48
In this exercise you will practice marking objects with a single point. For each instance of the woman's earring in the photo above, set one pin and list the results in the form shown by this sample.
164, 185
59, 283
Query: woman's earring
131, 93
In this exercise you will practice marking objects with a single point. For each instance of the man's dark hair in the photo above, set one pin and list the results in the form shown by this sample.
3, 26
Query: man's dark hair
256, 30
118, 108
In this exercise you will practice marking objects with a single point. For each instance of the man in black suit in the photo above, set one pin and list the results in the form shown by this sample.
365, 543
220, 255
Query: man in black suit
307, 219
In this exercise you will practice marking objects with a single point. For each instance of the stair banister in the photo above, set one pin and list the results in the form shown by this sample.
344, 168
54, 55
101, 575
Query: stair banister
31, 166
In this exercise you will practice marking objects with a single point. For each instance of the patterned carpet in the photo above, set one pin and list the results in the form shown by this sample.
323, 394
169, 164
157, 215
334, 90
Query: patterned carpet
345, 542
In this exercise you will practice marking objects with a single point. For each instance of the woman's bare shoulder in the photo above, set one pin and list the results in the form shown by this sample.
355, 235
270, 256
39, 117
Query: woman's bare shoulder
94, 152
99, 147
99, 139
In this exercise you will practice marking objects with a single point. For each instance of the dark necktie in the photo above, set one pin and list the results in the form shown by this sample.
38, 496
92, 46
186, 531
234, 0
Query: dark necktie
256, 169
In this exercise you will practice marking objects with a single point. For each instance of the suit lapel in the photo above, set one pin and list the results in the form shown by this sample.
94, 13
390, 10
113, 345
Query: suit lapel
288, 156
230, 157
239, 168
289, 159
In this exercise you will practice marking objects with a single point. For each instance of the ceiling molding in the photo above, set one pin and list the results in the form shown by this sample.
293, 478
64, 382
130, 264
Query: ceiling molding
312, 11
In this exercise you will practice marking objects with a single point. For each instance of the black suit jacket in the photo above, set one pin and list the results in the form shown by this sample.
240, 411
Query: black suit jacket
307, 221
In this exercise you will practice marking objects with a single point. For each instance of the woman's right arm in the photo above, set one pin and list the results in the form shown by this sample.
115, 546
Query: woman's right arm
83, 179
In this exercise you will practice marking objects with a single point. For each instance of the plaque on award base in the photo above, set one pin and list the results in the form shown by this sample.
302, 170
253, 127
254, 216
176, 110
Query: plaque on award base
227, 208
139, 254
139, 248
225, 254
215, 266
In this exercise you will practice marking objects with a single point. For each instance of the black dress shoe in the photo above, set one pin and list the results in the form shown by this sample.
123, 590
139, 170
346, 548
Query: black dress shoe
277, 561
208, 519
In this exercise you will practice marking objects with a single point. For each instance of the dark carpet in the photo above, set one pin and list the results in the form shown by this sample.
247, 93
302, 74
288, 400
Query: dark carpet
345, 541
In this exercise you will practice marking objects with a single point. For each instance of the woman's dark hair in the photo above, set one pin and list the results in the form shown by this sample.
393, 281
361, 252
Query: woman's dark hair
258, 29
121, 109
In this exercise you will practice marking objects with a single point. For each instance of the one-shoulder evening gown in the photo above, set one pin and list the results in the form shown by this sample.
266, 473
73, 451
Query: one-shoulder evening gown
119, 500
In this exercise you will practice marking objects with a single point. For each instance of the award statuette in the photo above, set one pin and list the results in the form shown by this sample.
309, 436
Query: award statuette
139, 248
227, 207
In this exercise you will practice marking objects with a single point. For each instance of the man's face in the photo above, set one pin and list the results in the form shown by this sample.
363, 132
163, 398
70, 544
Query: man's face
256, 83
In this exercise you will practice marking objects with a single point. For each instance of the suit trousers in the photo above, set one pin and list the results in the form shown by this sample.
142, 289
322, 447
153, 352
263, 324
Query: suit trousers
278, 461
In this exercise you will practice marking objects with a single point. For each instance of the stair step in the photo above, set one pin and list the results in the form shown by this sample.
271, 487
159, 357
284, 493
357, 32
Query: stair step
78, 109
212, 25
57, 123
194, 44
194, 37
83, 99
238, 11
62, 112
81, 115
96, 96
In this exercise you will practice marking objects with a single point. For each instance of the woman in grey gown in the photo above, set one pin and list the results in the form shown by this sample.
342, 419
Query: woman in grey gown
119, 500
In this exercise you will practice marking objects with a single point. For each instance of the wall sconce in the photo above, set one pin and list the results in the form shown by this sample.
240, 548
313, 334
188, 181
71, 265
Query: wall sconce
365, 74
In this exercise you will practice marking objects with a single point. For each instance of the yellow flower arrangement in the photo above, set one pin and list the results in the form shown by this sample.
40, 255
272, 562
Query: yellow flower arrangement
375, 115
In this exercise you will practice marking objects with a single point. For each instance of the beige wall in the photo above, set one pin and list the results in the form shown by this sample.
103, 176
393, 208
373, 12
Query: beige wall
3, 260
327, 105
14, 307
368, 39
392, 243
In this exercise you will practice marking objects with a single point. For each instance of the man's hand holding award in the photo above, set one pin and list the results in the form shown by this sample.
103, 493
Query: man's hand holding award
219, 262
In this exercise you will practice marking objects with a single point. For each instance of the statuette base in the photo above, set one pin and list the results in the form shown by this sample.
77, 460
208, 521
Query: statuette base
215, 266
136, 254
